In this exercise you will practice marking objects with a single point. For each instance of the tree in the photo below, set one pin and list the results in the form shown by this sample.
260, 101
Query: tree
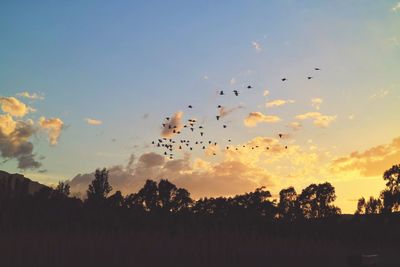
372, 206
316, 201
182, 200
99, 188
148, 196
62, 190
166, 194
288, 205
391, 195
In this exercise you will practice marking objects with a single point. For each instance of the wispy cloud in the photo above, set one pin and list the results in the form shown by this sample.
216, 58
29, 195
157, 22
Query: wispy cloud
33, 96
173, 125
396, 7
319, 119
278, 102
316, 102
257, 117
93, 121
382, 93
257, 46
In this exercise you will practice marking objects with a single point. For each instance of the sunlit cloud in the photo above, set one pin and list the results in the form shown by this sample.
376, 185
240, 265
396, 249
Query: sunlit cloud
319, 119
278, 102
173, 125
53, 126
14, 107
257, 117
33, 96
316, 103
93, 121
295, 125
371, 162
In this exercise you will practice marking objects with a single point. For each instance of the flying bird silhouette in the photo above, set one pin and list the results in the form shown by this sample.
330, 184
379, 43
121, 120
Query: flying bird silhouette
283, 79
236, 92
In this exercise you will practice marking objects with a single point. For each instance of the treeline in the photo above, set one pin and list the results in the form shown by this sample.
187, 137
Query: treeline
163, 206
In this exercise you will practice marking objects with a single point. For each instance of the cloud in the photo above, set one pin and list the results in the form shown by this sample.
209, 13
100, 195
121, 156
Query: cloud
278, 102
14, 107
53, 126
371, 162
396, 7
295, 126
382, 93
257, 46
33, 96
266, 92
316, 102
14, 141
319, 120
257, 117
201, 178
93, 121
223, 111
173, 125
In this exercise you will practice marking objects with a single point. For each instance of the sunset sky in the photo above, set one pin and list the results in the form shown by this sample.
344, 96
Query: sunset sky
88, 84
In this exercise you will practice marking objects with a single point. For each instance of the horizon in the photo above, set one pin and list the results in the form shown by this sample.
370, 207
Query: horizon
87, 86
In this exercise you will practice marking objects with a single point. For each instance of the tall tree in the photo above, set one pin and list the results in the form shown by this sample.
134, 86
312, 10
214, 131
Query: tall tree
288, 205
148, 196
391, 195
99, 187
316, 201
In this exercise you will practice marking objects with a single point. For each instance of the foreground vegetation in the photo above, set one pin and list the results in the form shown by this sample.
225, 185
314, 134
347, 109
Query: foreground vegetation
162, 225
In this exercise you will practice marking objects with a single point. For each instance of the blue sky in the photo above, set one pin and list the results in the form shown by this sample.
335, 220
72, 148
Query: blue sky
116, 62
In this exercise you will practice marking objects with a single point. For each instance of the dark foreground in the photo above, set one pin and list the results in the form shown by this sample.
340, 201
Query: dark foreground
153, 248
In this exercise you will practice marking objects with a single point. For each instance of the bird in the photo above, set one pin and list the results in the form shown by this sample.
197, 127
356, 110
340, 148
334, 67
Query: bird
283, 79
224, 126
219, 106
167, 118
249, 87
280, 135
236, 92
309, 77
229, 140
221, 92
285, 147
190, 106
217, 117
317, 69
201, 133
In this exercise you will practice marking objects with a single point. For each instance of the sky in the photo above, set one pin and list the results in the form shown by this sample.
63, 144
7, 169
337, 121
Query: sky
88, 84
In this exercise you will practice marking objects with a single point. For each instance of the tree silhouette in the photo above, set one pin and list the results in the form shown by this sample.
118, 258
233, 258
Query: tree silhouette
148, 196
372, 206
391, 195
99, 187
62, 190
288, 205
166, 194
315, 201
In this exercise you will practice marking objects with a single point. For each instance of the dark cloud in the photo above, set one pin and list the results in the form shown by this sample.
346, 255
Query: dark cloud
15, 144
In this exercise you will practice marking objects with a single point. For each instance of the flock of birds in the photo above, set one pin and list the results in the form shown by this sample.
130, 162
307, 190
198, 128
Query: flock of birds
170, 145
